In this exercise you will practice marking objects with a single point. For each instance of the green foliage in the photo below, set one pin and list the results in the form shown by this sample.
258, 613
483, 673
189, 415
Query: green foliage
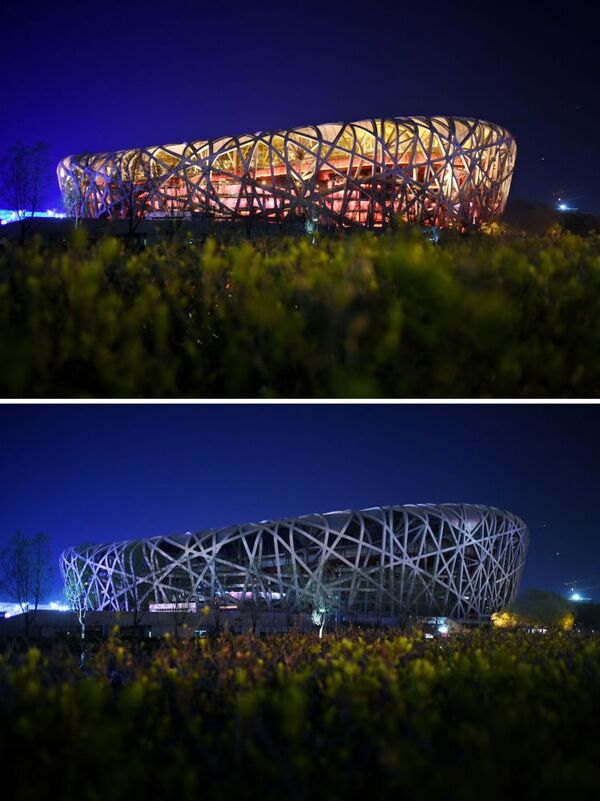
587, 615
477, 715
387, 316
541, 608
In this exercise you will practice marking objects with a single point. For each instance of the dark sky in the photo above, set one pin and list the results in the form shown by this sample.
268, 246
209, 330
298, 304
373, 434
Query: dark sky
85, 76
107, 472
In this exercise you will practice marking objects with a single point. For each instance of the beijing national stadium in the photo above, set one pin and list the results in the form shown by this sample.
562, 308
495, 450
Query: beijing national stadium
460, 561
443, 171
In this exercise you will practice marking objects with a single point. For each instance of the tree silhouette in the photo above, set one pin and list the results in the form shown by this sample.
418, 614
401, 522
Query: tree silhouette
25, 572
320, 600
24, 178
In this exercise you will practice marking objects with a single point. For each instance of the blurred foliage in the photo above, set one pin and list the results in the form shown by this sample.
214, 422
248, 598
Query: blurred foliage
483, 714
364, 315
505, 620
543, 608
511, 620
567, 621
587, 615
537, 218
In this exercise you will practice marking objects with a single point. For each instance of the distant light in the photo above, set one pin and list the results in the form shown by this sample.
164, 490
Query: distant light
180, 606
432, 233
10, 609
563, 207
58, 607
443, 628
575, 596
10, 215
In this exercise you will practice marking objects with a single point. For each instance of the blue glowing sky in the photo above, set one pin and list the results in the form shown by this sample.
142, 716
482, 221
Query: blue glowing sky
106, 472
85, 76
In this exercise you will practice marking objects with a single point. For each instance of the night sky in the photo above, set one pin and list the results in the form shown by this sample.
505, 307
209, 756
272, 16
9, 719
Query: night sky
86, 76
99, 473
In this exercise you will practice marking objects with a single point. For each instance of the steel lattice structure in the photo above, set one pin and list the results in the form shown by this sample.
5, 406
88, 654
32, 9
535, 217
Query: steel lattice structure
447, 171
459, 560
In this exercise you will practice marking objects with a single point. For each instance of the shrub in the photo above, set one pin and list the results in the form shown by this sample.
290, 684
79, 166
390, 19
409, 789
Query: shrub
482, 713
389, 316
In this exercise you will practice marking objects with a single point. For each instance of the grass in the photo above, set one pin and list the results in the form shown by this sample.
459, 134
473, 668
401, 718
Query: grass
361, 316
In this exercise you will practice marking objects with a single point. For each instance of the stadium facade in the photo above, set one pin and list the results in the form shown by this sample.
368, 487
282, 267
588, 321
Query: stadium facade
444, 171
461, 561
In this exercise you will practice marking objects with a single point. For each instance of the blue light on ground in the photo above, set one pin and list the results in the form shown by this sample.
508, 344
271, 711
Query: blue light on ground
8, 215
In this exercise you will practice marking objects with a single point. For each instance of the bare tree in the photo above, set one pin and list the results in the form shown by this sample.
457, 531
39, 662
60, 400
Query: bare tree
320, 600
250, 602
135, 187
24, 178
217, 602
254, 609
25, 572
73, 201
79, 597
183, 601
311, 224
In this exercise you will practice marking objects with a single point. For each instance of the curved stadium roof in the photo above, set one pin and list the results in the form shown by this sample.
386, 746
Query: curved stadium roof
459, 560
447, 171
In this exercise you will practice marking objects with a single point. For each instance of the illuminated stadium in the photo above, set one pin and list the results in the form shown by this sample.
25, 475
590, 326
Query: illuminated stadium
445, 171
462, 561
